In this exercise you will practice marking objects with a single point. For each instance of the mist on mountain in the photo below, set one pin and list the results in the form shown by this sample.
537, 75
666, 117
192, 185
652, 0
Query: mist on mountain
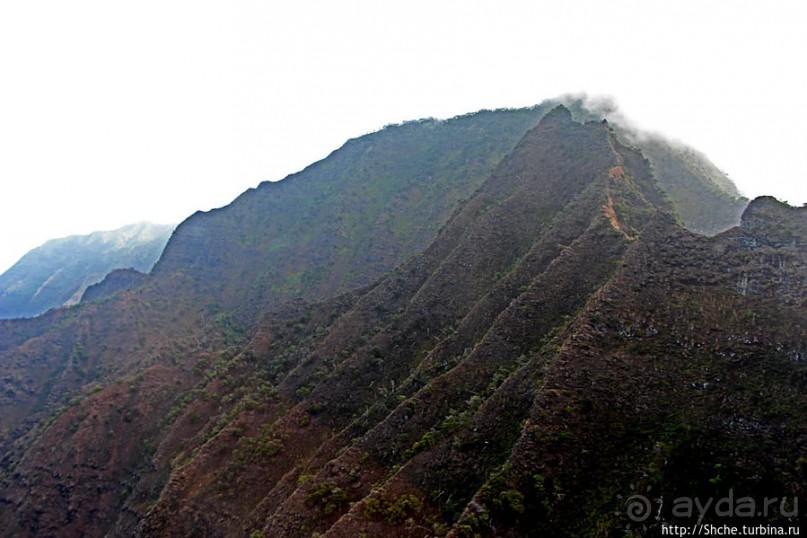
56, 273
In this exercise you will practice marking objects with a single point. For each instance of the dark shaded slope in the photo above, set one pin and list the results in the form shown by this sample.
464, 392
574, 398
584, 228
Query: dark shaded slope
675, 381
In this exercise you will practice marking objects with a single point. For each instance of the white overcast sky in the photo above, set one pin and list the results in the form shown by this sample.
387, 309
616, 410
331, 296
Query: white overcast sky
113, 112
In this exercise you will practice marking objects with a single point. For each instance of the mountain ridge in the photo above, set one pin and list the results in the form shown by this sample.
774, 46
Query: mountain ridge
466, 389
56, 273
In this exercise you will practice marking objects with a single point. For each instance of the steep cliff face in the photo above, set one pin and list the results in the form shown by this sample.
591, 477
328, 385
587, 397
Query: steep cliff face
561, 344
